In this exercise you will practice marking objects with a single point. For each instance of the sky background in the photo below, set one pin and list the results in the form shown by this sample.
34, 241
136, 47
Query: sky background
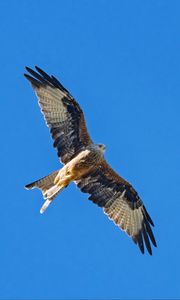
121, 61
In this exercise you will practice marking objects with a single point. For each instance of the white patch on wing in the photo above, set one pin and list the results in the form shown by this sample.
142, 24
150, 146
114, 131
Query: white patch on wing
50, 101
138, 218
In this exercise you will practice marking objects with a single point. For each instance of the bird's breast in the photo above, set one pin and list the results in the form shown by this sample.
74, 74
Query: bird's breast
83, 163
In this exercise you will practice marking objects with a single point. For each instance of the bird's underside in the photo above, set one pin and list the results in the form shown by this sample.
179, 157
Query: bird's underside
84, 163
74, 170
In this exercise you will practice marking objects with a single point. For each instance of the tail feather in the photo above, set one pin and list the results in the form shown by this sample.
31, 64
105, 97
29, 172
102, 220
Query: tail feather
47, 187
44, 183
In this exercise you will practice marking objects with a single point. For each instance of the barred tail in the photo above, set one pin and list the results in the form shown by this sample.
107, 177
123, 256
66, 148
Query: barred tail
47, 187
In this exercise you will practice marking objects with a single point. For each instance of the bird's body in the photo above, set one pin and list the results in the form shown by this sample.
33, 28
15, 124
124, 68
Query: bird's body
84, 163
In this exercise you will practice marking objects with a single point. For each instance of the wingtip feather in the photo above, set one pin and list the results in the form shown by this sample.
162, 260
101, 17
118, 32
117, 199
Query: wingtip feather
35, 83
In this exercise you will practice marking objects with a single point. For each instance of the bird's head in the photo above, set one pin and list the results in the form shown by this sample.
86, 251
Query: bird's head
102, 147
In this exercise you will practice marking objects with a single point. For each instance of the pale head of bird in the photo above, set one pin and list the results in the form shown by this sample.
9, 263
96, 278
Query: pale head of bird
102, 147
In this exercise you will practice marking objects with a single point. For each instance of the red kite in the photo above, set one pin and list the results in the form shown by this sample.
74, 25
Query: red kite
84, 163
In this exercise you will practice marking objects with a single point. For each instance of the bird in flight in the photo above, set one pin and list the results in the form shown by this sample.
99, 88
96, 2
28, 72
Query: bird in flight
84, 163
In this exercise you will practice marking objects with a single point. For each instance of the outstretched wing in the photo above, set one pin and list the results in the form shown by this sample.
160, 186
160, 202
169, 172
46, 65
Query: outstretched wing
62, 113
120, 202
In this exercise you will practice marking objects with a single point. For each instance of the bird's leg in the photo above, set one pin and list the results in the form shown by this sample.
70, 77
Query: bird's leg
61, 180
64, 177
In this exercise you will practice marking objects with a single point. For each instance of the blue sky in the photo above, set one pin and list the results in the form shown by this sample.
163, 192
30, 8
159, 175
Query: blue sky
121, 61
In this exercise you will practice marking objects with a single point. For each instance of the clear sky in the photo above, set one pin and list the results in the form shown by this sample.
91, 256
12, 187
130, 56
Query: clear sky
121, 61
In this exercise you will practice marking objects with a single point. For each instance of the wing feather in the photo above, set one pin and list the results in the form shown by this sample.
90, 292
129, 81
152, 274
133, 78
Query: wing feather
120, 202
62, 113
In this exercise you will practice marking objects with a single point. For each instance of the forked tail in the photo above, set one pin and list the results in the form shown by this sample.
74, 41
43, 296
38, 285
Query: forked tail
47, 187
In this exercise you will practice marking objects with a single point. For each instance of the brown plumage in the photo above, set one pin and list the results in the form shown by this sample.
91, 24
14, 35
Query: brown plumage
84, 163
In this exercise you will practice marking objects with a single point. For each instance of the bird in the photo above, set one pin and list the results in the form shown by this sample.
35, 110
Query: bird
84, 163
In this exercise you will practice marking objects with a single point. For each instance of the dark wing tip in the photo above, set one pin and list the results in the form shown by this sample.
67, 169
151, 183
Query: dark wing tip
138, 240
53, 80
44, 74
148, 216
50, 79
146, 239
145, 235
150, 233
28, 69
38, 69
35, 83
59, 85
44, 79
